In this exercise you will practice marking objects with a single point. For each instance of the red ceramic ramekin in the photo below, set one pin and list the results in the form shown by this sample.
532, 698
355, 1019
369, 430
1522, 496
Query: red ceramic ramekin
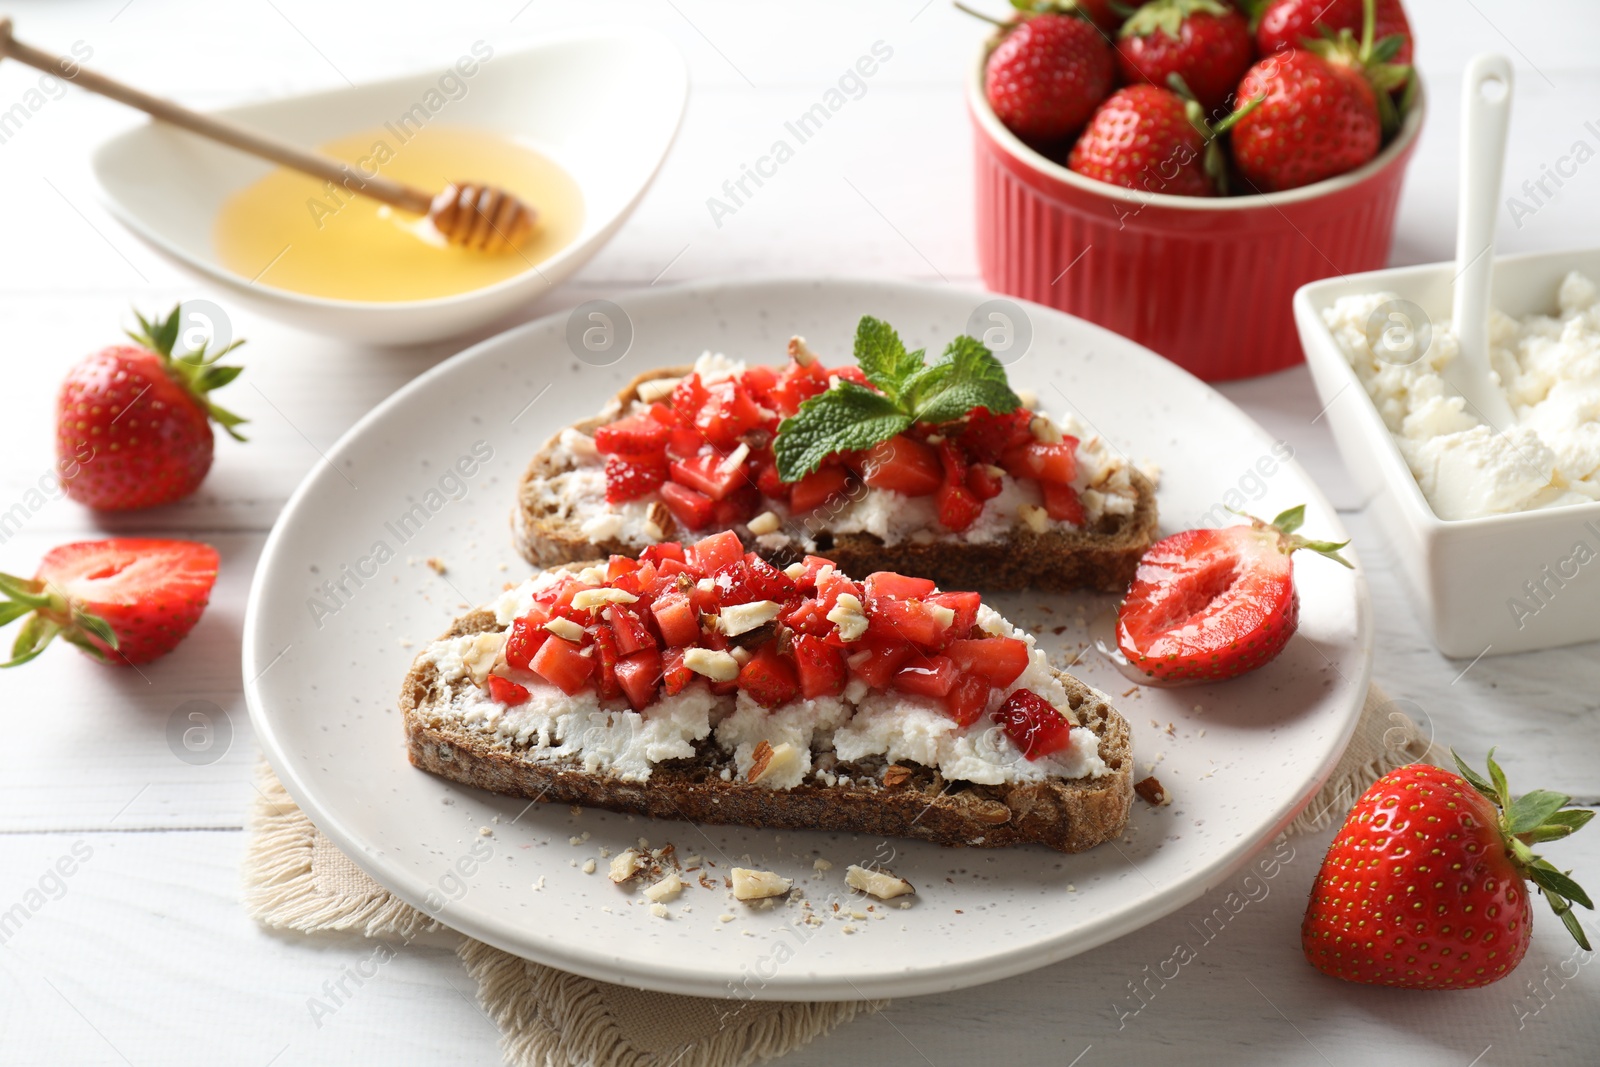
1206, 282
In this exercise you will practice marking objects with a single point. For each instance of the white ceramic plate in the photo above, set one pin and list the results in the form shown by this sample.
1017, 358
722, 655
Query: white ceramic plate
323, 664
604, 103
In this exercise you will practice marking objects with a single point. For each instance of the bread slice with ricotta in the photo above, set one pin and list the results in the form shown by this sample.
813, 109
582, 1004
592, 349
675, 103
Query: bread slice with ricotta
862, 759
562, 514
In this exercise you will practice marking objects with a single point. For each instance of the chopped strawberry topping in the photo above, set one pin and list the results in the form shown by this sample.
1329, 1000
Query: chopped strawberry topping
1033, 724
507, 692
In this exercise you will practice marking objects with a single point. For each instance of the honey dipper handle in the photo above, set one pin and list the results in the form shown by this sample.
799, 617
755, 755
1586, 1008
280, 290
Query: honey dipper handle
342, 174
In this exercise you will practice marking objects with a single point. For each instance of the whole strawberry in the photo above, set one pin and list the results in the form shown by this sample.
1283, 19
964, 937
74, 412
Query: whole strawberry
1206, 605
124, 601
1205, 42
1425, 885
1047, 74
1149, 138
133, 423
1317, 119
1106, 14
1287, 24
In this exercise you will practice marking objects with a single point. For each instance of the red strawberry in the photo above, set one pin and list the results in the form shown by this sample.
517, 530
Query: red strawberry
1146, 137
1204, 42
124, 601
1423, 887
1047, 74
1288, 24
1317, 119
133, 424
1033, 724
1211, 604
631, 477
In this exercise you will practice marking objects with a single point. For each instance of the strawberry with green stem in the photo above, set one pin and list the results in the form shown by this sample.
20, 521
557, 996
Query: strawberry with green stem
1425, 885
1046, 73
1156, 140
1205, 42
133, 423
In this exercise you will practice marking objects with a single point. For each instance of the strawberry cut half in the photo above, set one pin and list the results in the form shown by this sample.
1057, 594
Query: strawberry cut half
1033, 724
1212, 604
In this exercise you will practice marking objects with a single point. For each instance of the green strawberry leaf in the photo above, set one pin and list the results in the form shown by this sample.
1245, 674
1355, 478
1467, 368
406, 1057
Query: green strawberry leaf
1547, 877
1529, 811
1502, 792
1573, 818
12, 610
845, 418
1291, 520
1474, 779
34, 637
1570, 921
95, 625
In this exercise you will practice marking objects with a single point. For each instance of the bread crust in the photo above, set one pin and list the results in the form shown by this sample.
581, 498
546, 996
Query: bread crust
1055, 561
1068, 815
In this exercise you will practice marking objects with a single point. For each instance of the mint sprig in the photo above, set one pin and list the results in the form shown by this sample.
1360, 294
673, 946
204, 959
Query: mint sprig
850, 417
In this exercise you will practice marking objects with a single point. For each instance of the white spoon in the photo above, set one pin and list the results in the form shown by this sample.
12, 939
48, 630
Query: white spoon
1485, 116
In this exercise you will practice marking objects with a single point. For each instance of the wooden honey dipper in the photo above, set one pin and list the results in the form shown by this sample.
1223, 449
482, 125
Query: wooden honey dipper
469, 214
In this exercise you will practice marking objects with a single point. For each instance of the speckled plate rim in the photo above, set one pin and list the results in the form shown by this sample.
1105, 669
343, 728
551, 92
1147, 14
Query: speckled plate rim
552, 947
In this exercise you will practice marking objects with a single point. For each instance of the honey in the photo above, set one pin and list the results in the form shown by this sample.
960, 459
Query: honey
290, 231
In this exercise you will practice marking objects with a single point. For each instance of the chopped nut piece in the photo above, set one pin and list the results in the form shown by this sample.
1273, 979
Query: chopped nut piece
943, 616
666, 889
659, 910
1037, 518
765, 523
1044, 431
588, 866
774, 763
880, 884
848, 615
484, 654
801, 352
593, 575
565, 629
436, 564
758, 885
821, 864
794, 570
625, 865
895, 775
1152, 791
654, 389
659, 517
718, 666
736, 619
589, 599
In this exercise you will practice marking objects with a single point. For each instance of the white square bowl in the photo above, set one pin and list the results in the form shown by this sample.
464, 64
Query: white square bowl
1467, 576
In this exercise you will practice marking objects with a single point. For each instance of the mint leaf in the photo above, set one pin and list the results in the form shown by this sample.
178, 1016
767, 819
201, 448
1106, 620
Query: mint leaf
967, 376
883, 357
845, 418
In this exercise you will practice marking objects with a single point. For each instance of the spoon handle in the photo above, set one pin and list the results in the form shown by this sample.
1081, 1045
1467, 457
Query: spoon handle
1485, 118
216, 129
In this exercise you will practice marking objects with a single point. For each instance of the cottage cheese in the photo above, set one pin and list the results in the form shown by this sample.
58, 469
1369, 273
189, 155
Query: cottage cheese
1104, 484
1549, 367
552, 725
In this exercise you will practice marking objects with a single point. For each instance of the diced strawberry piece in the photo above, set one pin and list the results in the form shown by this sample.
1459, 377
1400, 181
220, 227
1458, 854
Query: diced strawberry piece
796, 385
617, 566
1062, 503
759, 379
635, 435
524, 638
1033, 724
770, 485
836, 585
875, 659
983, 483
958, 508
711, 554
629, 583
812, 566
685, 442
692, 510
664, 415
915, 621
899, 586
507, 692
674, 675
563, 664
738, 506
851, 373
999, 661
639, 674
821, 667
986, 436
952, 463
965, 605
903, 465
677, 620
709, 473
688, 396
928, 676
817, 488
967, 699
808, 617
769, 677
606, 657
723, 689
570, 590
629, 477
727, 413
1057, 463
632, 633
662, 550
767, 581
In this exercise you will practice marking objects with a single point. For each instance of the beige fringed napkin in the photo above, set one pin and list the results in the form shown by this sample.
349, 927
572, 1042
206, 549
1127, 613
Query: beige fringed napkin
296, 879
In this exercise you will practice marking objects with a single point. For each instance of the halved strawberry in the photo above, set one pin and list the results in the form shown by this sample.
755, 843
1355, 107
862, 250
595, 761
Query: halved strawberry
634, 435
507, 692
821, 666
928, 676
901, 464
630, 476
564, 664
1211, 604
1033, 724
967, 698
692, 510
769, 677
818, 488
999, 661
639, 674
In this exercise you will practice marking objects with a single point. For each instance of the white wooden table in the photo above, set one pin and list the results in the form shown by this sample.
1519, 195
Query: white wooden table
144, 954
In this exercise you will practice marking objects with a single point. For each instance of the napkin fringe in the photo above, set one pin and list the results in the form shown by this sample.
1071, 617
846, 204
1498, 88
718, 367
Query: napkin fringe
1402, 742
549, 1018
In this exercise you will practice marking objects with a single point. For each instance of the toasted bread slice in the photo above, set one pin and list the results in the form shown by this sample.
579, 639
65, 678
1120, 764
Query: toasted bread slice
869, 795
549, 529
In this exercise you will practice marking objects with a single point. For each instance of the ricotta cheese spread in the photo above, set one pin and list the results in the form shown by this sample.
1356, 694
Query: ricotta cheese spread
578, 495
1549, 368
826, 731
